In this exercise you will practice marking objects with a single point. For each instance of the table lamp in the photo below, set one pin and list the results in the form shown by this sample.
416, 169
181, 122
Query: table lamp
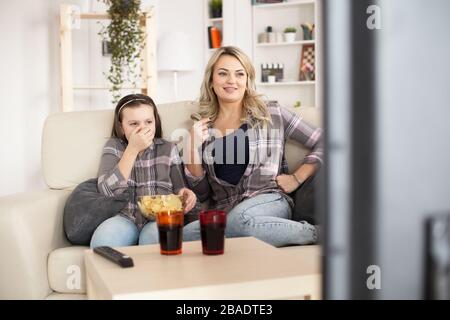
175, 55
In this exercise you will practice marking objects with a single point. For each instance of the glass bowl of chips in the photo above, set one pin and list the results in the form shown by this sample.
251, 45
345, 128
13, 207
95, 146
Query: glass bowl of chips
150, 206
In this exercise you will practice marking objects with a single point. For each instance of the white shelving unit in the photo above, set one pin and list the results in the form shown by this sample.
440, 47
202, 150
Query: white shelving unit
286, 83
277, 44
280, 16
209, 21
285, 4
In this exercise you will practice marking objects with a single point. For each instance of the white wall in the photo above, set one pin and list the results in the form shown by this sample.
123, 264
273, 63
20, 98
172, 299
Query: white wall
186, 16
29, 87
30, 82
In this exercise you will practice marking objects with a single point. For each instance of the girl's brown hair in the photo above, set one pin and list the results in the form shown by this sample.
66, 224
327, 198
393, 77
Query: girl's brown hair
132, 101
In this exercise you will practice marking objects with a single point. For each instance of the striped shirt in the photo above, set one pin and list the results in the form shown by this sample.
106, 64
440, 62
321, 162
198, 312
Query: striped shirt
157, 171
267, 161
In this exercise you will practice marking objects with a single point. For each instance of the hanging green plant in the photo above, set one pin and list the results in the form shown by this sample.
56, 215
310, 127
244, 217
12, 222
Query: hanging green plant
126, 41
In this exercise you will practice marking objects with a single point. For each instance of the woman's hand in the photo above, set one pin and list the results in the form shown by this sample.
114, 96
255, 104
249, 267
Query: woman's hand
287, 183
140, 139
189, 199
199, 131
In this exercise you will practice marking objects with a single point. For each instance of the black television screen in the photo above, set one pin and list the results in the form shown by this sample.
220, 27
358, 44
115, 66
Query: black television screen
387, 125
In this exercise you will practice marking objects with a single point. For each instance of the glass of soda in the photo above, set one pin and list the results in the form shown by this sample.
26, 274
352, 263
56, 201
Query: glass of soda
212, 226
170, 229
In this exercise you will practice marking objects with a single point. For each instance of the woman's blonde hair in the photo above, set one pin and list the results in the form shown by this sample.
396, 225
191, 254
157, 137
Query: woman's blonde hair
253, 106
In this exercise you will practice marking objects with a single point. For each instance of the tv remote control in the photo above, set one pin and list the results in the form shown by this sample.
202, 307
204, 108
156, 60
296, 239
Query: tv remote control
115, 256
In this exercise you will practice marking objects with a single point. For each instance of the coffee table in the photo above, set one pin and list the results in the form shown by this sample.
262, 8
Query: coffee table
249, 269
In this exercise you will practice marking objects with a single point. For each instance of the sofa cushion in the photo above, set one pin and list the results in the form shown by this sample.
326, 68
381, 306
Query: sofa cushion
86, 208
295, 152
66, 272
72, 145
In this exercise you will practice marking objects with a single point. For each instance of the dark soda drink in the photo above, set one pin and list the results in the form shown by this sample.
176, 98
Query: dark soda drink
213, 238
170, 238
170, 229
212, 226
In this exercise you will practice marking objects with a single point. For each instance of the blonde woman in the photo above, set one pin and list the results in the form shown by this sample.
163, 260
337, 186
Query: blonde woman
236, 157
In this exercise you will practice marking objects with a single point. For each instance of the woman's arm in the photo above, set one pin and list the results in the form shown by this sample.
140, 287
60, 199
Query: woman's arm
290, 182
176, 170
310, 137
198, 134
195, 173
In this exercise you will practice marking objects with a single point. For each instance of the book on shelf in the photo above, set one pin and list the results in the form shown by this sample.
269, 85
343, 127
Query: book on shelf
209, 37
214, 37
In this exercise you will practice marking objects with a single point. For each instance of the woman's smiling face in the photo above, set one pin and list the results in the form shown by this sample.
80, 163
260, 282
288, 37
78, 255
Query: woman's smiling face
229, 80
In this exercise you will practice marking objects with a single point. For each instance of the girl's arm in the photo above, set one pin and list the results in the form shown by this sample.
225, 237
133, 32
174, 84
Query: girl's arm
111, 181
126, 163
116, 166
179, 182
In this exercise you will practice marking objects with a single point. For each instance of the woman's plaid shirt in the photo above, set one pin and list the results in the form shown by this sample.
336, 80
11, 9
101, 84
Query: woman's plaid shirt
267, 161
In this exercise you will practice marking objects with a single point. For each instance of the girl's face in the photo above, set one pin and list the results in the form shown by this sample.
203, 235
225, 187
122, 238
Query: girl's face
141, 116
229, 79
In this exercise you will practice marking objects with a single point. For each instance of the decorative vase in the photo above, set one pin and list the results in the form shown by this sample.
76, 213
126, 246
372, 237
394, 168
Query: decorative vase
307, 33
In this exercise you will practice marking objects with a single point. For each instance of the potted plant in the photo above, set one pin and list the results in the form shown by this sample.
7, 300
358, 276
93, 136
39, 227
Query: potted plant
126, 41
216, 8
289, 34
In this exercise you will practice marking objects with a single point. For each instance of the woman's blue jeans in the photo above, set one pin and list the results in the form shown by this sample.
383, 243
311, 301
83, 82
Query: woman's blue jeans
265, 217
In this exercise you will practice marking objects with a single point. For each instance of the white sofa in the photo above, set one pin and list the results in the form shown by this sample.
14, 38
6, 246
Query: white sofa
37, 260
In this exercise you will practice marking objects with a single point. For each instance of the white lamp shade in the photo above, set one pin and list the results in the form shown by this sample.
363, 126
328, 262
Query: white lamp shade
175, 52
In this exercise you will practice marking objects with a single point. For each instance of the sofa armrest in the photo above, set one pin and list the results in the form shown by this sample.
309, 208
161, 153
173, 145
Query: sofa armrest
31, 226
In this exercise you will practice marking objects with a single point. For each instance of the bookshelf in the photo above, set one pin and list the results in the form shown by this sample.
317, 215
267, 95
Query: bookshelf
292, 13
215, 22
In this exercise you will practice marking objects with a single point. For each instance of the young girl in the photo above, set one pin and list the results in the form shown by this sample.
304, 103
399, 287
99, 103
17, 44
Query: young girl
137, 160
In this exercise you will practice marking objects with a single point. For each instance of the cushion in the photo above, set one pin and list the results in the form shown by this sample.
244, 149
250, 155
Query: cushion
304, 198
295, 152
86, 208
66, 272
